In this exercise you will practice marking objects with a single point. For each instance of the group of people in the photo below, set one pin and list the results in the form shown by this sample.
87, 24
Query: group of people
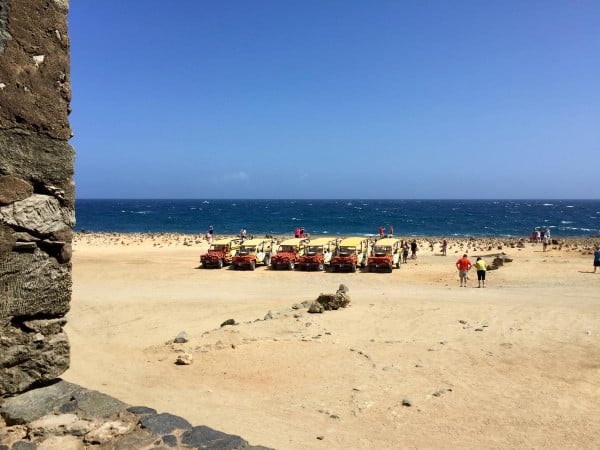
464, 266
540, 235
300, 233
381, 231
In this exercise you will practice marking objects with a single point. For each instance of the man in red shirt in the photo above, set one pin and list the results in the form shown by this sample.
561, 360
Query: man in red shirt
463, 265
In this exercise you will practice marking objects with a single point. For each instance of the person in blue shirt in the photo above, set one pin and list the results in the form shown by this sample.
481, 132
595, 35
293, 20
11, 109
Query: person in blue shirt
596, 258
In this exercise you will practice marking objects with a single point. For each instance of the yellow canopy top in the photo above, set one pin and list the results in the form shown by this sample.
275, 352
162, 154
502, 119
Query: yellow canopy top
387, 242
320, 241
255, 242
227, 241
351, 242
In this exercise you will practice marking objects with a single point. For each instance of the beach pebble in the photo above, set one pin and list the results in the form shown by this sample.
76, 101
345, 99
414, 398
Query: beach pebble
407, 402
228, 322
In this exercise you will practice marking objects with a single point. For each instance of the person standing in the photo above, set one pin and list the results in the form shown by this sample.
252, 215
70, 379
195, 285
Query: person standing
597, 258
545, 242
380, 232
404, 252
413, 249
481, 267
209, 234
391, 233
444, 246
463, 265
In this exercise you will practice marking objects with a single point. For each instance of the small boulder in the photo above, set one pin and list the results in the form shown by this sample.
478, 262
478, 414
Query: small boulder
181, 338
228, 322
185, 359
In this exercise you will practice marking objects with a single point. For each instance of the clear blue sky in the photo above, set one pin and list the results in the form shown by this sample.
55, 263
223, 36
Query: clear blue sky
336, 99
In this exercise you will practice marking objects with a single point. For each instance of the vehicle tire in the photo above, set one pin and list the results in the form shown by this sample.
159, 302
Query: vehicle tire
369, 269
253, 265
221, 264
233, 267
390, 268
267, 261
291, 265
398, 264
353, 268
321, 267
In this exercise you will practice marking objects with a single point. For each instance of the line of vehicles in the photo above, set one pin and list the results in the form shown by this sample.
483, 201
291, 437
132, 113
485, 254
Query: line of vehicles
317, 254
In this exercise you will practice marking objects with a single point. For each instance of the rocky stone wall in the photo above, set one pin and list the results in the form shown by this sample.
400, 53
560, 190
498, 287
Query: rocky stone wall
36, 192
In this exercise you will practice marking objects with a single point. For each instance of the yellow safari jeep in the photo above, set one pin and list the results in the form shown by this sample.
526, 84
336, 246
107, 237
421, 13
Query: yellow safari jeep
387, 253
287, 254
352, 252
317, 254
220, 252
253, 252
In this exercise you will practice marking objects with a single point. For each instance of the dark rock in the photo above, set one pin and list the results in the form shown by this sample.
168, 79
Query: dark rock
181, 338
333, 301
133, 440
141, 410
97, 404
36, 403
406, 402
316, 308
170, 440
164, 423
68, 407
228, 322
205, 437
23, 445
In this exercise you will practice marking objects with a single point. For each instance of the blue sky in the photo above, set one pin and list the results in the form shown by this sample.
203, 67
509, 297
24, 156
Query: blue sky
336, 99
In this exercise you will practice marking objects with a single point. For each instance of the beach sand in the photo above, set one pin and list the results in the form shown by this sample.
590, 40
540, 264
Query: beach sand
514, 365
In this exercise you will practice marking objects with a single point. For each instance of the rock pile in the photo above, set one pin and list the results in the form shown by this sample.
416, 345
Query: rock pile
328, 302
66, 416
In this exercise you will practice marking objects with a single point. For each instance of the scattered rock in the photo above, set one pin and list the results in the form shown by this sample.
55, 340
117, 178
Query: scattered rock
407, 402
181, 338
184, 359
228, 322
343, 289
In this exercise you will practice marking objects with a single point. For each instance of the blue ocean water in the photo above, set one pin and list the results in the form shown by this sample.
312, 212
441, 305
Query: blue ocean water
343, 217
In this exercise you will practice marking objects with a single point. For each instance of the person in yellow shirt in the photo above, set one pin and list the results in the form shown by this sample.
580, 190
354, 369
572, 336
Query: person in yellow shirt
481, 267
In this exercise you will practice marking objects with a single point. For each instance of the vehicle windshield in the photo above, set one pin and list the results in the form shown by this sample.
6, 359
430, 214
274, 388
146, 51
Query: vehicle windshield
287, 248
245, 250
347, 250
218, 248
314, 249
383, 250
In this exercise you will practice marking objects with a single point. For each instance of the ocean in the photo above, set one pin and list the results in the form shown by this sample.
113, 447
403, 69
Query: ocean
514, 218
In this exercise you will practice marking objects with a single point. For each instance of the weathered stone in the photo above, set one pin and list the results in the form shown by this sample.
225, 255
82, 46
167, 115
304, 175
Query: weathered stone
28, 357
39, 214
164, 423
36, 93
185, 359
97, 404
108, 431
181, 338
67, 442
135, 439
51, 424
32, 284
13, 189
228, 322
205, 437
38, 160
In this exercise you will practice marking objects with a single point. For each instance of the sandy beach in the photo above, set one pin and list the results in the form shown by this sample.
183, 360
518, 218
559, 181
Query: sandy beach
415, 361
